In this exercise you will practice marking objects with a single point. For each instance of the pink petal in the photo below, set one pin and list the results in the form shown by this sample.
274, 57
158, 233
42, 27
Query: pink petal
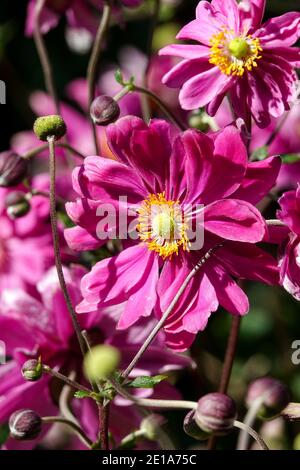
259, 179
280, 31
234, 220
186, 51
201, 89
208, 22
230, 295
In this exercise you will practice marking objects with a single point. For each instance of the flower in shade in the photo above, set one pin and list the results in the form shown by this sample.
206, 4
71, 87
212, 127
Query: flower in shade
290, 255
28, 235
163, 173
252, 62
42, 327
79, 13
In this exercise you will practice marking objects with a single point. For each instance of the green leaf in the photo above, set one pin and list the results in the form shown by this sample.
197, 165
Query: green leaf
290, 158
4, 433
81, 394
260, 153
119, 77
146, 382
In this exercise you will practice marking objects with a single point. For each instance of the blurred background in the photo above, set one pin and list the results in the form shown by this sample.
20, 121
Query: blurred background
273, 324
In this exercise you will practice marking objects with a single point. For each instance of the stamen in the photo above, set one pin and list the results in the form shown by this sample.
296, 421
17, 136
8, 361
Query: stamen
234, 55
161, 225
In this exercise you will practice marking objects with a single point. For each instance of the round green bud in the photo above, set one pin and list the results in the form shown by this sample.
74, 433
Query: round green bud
101, 362
49, 126
32, 370
239, 48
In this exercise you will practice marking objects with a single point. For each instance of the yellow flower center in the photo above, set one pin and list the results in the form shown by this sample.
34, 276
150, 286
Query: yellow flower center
234, 55
161, 225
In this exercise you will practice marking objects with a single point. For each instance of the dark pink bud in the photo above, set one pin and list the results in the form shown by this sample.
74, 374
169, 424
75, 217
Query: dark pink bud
274, 395
13, 169
216, 413
25, 425
104, 110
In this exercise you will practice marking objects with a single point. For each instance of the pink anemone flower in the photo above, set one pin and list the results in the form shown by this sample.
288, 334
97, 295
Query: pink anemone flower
290, 250
79, 13
41, 326
252, 62
162, 173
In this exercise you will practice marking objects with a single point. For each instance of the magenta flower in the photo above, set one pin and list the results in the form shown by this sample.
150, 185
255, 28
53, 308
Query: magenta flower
79, 13
22, 237
237, 55
161, 173
290, 257
42, 326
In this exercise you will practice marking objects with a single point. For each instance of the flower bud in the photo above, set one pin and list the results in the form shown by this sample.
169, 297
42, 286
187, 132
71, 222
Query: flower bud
101, 362
32, 370
17, 205
192, 429
151, 424
13, 169
104, 110
49, 126
25, 425
215, 413
274, 395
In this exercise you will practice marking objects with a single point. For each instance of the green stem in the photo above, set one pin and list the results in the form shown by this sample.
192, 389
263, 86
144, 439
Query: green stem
94, 61
55, 236
171, 307
74, 427
37, 150
63, 378
43, 54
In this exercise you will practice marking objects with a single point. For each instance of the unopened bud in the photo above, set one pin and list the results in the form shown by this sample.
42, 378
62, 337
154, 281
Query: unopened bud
274, 395
17, 204
216, 413
25, 425
192, 429
13, 169
49, 126
104, 110
32, 370
101, 361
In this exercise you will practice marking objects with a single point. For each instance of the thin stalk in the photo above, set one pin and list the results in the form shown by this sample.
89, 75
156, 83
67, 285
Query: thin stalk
55, 236
156, 99
249, 420
172, 305
42, 148
74, 427
252, 433
94, 61
43, 54
144, 99
228, 363
153, 403
66, 380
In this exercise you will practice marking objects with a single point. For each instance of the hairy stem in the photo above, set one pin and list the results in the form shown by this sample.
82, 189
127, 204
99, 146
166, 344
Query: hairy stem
42, 148
94, 61
252, 433
228, 363
43, 54
172, 305
156, 99
73, 426
55, 236
63, 378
